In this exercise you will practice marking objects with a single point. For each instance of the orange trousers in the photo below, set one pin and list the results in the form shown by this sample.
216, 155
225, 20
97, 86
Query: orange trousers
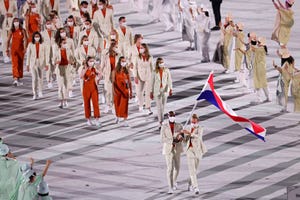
121, 105
90, 92
17, 60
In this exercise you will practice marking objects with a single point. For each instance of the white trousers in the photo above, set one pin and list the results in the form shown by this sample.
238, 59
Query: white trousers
193, 163
173, 166
161, 101
108, 93
37, 77
62, 81
143, 88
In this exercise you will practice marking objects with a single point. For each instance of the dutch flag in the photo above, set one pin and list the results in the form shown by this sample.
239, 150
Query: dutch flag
209, 94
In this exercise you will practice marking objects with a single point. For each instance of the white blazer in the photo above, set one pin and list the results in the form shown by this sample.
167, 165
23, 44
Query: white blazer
45, 7
106, 23
57, 54
133, 54
105, 67
166, 82
167, 138
76, 34
81, 55
32, 57
48, 41
7, 22
195, 138
93, 38
125, 41
143, 69
73, 4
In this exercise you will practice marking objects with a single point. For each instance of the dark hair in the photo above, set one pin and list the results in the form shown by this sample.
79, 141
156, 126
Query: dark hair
60, 42
57, 35
171, 113
102, 1
157, 64
113, 43
136, 37
121, 18
206, 13
37, 33
13, 29
290, 60
84, 3
89, 20
147, 53
83, 37
88, 59
248, 35
87, 16
54, 12
119, 67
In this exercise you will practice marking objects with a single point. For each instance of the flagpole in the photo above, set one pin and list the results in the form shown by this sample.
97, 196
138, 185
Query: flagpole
195, 105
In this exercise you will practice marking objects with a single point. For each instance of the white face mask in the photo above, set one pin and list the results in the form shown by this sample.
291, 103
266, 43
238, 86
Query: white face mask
172, 119
64, 46
142, 51
113, 37
37, 39
115, 49
16, 24
124, 24
91, 63
161, 64
86, 43
87, 26
63, 34
48, 26
70, 23
94, 1
34, 10
100, 7
194, 125
82, 20
84, 9
123, 64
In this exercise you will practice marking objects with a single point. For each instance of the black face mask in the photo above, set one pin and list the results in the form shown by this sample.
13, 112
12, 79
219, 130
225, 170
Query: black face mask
253, 42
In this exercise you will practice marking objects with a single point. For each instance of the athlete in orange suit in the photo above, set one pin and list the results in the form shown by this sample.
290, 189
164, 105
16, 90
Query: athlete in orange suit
122, 90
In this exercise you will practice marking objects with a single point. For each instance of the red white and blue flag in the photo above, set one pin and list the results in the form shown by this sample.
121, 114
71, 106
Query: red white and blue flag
209, 94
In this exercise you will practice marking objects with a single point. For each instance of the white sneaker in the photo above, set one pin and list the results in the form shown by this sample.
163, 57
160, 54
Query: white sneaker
89, 122
98, 123
149, 112
50, 85
196, 190
6, 60
40, 94
236, 81
175, 186
15, 83
74, 83
34, 97
65, 104
136, 99
126, 123
141, 109
226, 71
171, 191
19, 83
71, 94
190, 188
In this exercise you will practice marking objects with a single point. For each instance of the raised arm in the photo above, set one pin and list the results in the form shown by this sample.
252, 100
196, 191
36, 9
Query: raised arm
46, 168
275, 4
